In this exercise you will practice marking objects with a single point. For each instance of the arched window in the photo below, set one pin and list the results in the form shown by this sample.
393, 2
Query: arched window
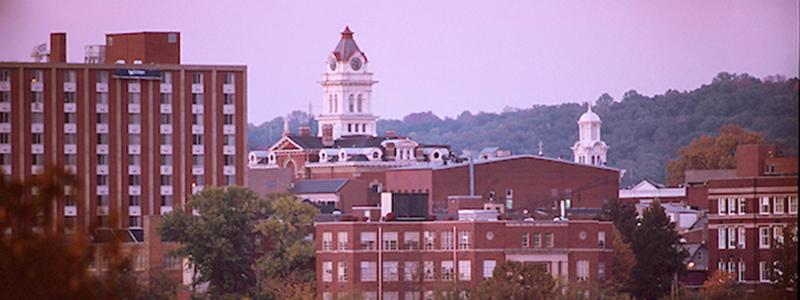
360, 103
335, 103
330, 103
351, 104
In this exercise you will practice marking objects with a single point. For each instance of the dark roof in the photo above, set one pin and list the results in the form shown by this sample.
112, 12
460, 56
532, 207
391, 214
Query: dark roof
314, 186
358, 157
349, 141
307, 141
347, 46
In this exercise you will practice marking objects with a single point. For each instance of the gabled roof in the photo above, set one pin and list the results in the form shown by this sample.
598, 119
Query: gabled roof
318, 186
347, 46
647, 185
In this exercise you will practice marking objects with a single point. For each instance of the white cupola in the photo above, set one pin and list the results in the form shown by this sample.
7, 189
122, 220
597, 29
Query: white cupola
590, 148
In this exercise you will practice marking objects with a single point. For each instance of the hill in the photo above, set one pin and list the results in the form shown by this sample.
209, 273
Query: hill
643, 132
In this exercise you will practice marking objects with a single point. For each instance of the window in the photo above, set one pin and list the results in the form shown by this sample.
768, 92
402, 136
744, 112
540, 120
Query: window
548, 240
197, 78
764, 271
5, 96
230, 78
741, 271
134, 200
197, 139
464, 240
197, 119
166, 119
134, 159
430, 273
5, 159
37, 159
351, 104
722, 207
37, 117
369, 295
342, 271
777, 205
134, 180
342, 240
70, 159
368, 240
327, 271
764, 207
228, 160
447, 270
102, 76
227, 119
582, 270
166, 180
198, 180
368, 271
166, 200
166, 77
763, 237
229, 140
327, 241
134, 139
390, 240
165, 139
102, 98
102, 118
742, 206
5, 117
465, 270
430, 238
410, 271
36, 138
488, 268
171, 262
228, 99
165, 98
134, 98
732, 206
731, 238
197, 99
69, 97
197, 160
102, 159
134, 222
792, 205
601, 270
777, 234
742, 238
447, 240
70, 118
37, 97
102, 179
722, 238
411, 240
389, 271
102, 200
5, 76
134, 119
601, 239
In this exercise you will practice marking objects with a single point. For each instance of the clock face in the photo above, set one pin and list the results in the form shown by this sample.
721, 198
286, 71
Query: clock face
355, 63
332, 64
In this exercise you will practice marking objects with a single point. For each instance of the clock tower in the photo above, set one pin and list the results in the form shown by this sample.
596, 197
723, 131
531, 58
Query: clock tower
347, 91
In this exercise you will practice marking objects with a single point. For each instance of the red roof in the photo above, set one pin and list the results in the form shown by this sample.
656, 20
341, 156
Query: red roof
347, 46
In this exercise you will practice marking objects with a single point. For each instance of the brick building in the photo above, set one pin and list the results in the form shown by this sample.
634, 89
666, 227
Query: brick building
144, 133
749, 213
417, 259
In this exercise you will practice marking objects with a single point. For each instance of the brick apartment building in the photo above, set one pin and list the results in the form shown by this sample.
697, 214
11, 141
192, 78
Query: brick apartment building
749, 211
417, 259
143, 131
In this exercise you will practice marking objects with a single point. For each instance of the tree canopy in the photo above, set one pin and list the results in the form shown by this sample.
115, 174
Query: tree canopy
658, 257
516, 280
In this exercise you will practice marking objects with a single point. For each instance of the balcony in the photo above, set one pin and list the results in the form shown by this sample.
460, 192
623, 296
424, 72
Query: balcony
37, 148
101, 108
5, 127
229, 170
101, 128
102, 149
197, 171
165, 108
102, 169
228, 129
166, 149
70, 148
165, 170
165, 128
228, 109
102, 190
70, 107
37, 86
197, 88
134, 108
5, 107
166, 190
134, 190
197, 108
69, 87
229, 88
134, 149
229, 150
101, 87
197, 129
134, 128
37, 107
134, 170
134, 210
70, 128
37, 127
165, 88
70, 210
197, 149
4, 149
134, 87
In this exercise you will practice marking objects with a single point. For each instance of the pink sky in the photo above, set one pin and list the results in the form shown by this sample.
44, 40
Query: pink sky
447, 56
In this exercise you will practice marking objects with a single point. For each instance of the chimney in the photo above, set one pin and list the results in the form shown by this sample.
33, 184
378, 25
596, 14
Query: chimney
304, 131
390, 133
58, 47
327, 135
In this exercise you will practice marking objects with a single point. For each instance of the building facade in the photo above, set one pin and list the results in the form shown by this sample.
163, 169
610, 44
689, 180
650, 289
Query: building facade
142, 137
418, 259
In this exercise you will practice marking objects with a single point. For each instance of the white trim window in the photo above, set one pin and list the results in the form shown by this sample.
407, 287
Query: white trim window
368, 240
342, 271
722, 241
447, 270
390, 271
389, 240
763, 271
411, 271
722, 208
582, 270
792, 205
429, 270
742, 206
327, 241
733, 206
731, 237
342, 238
465, 270
764, 207
488, 268
777, 234
742, 237
368, 271
721, 266
741, 271
777, 205
327, 271
763, 238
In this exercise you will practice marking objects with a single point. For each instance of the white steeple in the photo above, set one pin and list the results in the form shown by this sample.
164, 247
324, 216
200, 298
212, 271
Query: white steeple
347, 91
590, 148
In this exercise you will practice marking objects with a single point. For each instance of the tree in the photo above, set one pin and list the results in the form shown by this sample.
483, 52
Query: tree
219, 240
623, 216
785, 275
658, 257
706, 152
516, 280
39, 262
287, 268
624, 261
721, 286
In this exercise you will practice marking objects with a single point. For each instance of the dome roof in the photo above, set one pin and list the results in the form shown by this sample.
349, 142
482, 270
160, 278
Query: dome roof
589, 116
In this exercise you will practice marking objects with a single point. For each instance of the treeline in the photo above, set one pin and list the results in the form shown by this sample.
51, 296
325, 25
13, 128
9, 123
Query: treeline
643, 132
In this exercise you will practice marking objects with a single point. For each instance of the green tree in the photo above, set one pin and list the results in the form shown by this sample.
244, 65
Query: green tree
707, 152
516, 280
37, 261
623, 216
287, 269
219, 240
785, 275
624, 262
658, 257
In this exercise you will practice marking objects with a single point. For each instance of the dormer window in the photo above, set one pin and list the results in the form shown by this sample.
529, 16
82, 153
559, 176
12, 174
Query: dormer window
770, 169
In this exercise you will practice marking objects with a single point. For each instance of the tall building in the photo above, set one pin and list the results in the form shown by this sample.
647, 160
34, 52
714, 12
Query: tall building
143, 133
590, 148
